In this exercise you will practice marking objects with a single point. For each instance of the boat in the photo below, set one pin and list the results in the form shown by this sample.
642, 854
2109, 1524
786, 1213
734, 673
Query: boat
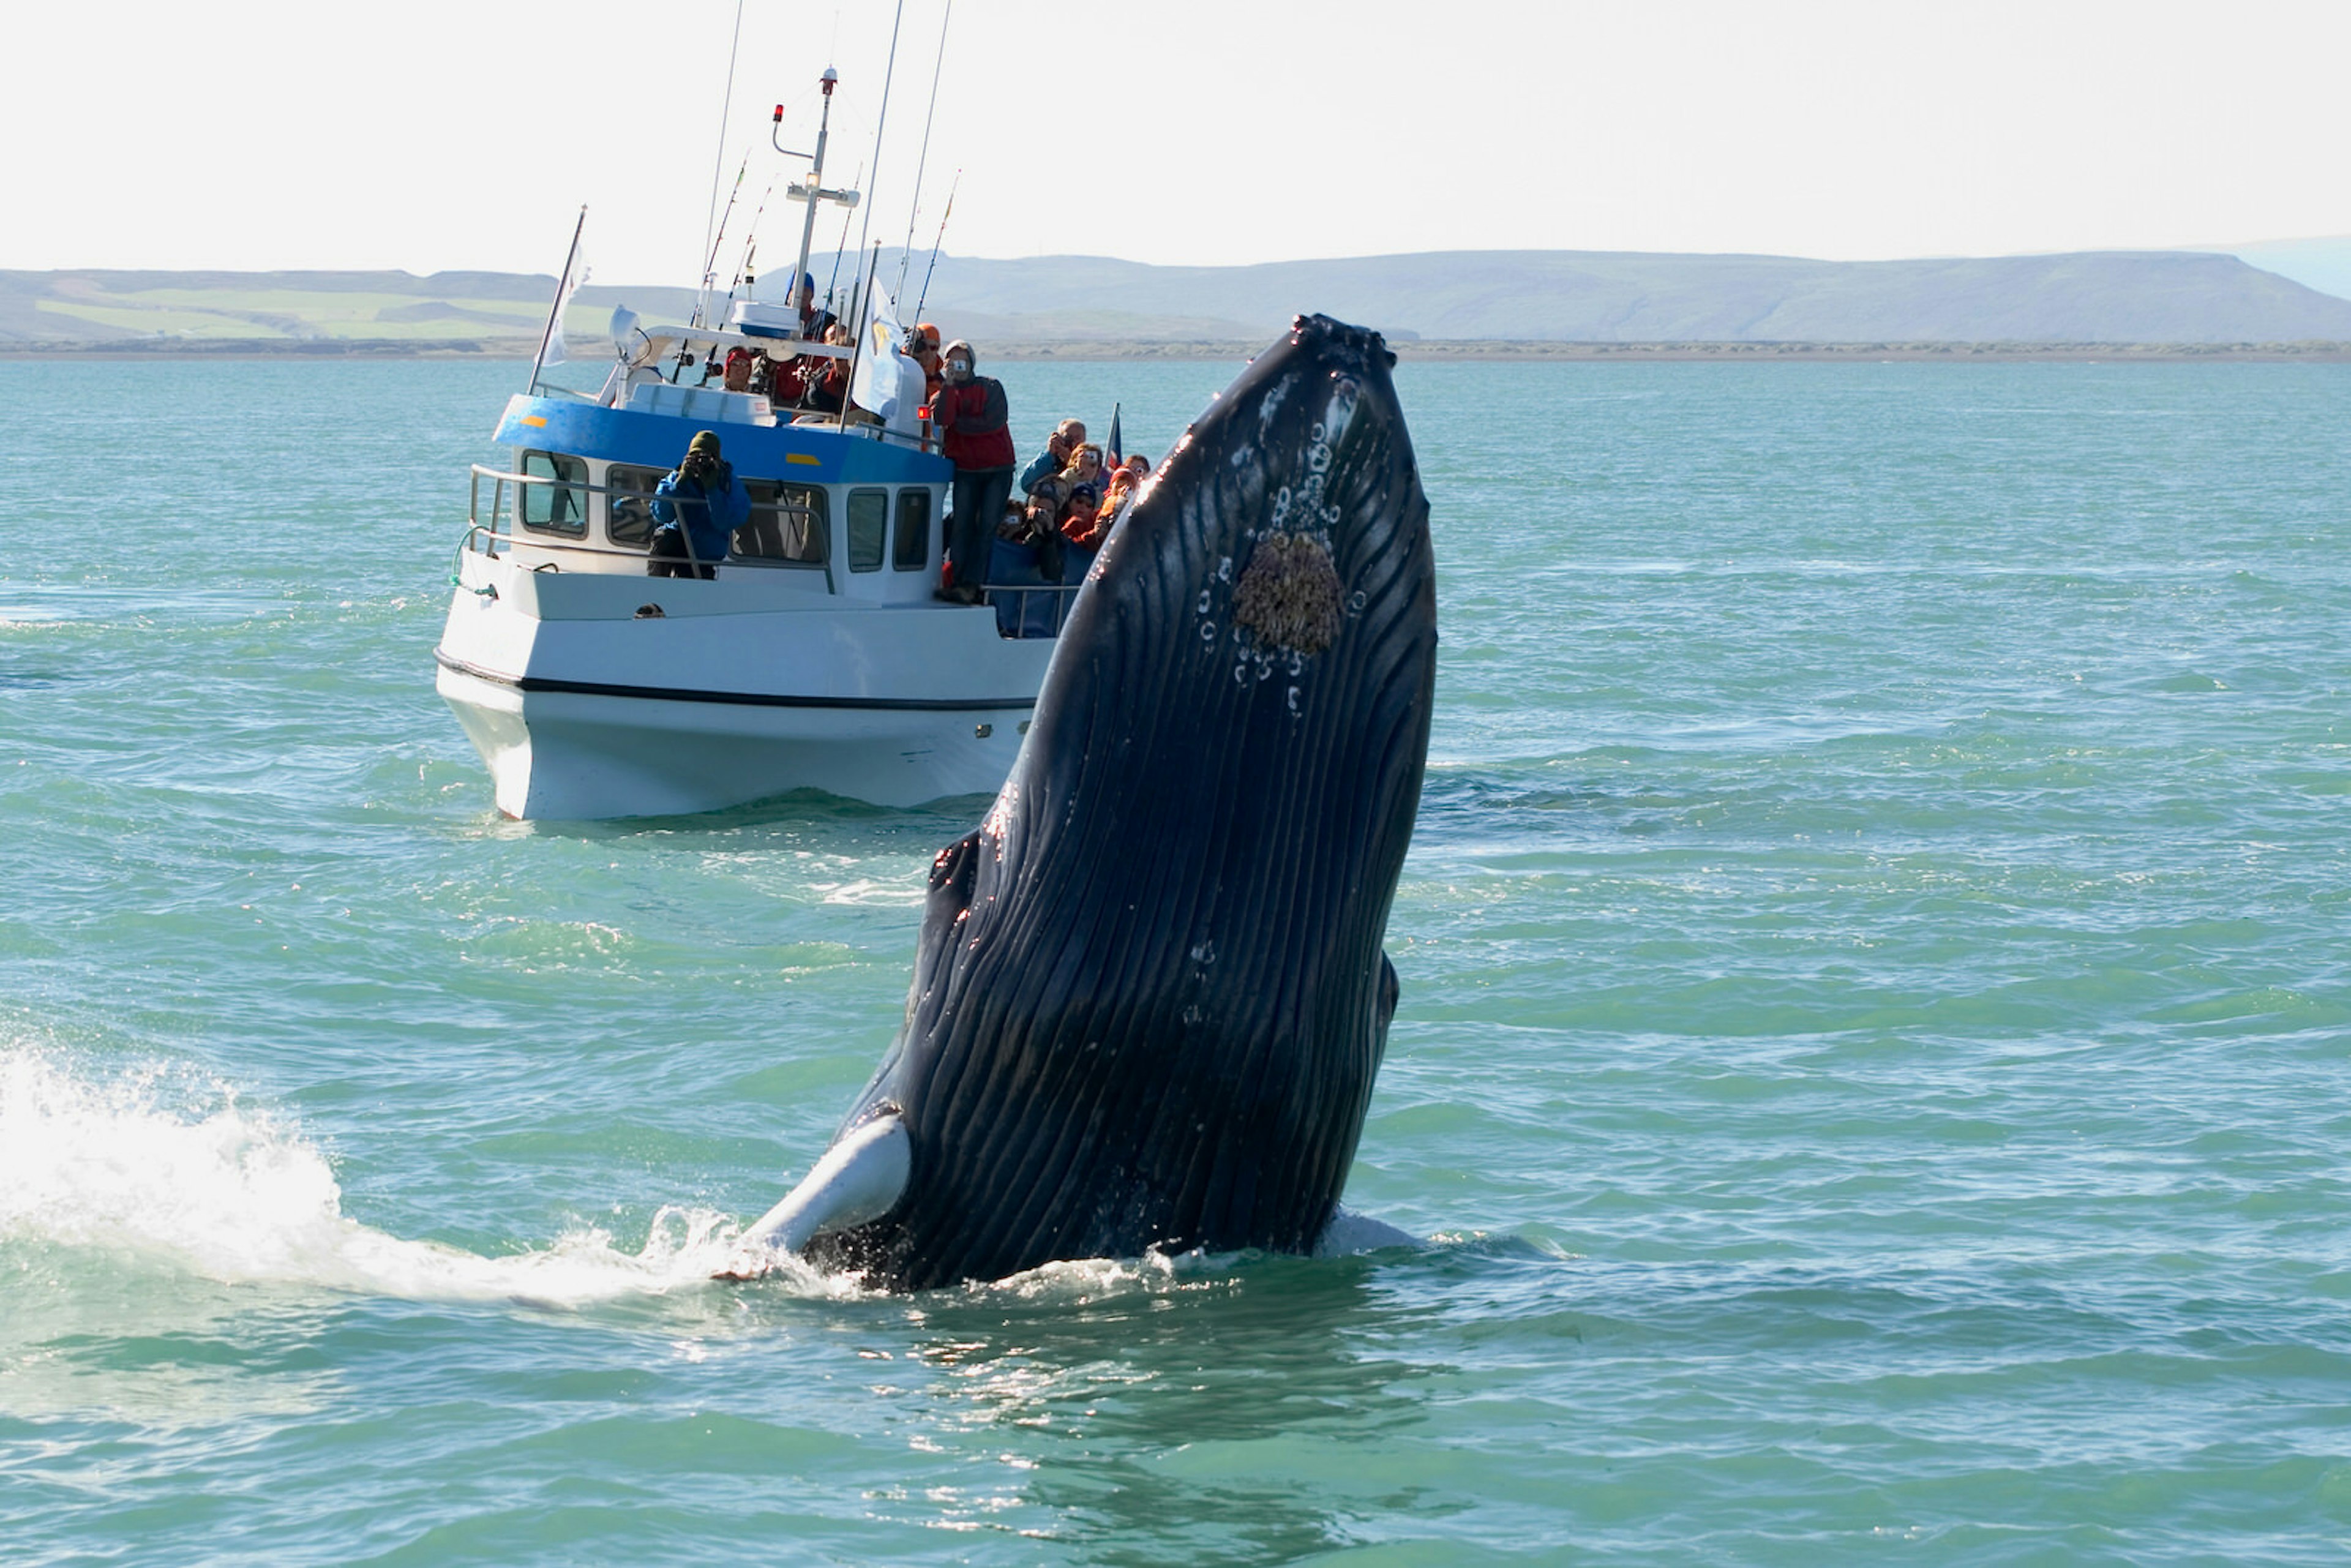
816, 656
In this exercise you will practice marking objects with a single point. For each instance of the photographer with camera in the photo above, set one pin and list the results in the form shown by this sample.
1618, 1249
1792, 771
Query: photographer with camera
698, 509
1066, 437
969, 411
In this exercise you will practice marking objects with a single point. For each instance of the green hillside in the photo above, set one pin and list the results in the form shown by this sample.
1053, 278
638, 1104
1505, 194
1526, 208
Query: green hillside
137, 309
1468, 297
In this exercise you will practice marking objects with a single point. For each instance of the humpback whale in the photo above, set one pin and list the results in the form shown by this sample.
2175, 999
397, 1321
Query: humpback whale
1149, 998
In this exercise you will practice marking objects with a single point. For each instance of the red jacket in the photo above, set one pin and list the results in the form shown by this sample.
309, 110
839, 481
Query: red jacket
972, 416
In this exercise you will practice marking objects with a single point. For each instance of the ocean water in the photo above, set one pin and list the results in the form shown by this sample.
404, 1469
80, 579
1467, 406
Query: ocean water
1870, 1077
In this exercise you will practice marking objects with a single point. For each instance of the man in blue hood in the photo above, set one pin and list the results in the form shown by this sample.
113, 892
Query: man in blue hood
813, 320
700, 506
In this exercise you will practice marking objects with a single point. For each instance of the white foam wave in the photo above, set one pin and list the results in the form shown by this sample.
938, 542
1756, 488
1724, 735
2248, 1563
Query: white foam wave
1089, 1282
161, 1169
164, 1170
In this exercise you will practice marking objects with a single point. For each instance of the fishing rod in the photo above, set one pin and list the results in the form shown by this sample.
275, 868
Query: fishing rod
944, 216
861, 296
881, 124
750, 247
710, 263
750, 242
718, 166
906, 251
833, 283
848, 387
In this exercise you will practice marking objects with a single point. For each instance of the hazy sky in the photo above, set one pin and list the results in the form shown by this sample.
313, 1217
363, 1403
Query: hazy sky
433, 135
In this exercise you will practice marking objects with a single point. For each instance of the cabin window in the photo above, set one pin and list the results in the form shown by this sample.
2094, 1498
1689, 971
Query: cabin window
789, 524
629, 505
556, 508
913, 551
869, 529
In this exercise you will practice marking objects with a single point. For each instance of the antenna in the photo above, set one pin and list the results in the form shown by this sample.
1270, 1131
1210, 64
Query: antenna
813, 191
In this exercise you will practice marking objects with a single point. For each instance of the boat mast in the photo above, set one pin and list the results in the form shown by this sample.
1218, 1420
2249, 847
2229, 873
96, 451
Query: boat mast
813, 191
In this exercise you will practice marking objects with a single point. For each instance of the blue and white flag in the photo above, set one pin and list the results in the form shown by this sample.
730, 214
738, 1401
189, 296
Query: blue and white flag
880, 385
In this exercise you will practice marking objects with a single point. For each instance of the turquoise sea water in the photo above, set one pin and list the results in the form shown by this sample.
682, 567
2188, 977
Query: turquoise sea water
1871, 1066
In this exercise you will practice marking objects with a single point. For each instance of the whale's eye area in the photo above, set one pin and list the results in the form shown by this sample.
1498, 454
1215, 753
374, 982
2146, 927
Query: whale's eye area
1289, 593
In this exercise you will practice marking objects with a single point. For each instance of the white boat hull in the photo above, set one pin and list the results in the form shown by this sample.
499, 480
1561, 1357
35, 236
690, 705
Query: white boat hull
582, 710
557, 754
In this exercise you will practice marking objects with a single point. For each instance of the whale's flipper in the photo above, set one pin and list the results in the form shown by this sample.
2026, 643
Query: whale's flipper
860, 1178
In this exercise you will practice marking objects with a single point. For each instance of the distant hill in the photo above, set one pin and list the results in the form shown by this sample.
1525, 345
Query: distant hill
141, 308
2322, 264
1606, 296
2136, 296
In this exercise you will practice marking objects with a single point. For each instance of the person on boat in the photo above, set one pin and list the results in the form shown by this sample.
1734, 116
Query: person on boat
1076, 523
699, 507
923, 348
1085, 465
977, 438
1066, 437
813, 319
828, 380
1060, 502
767, 379
1040, 527
788, 381
741, 365
1089, 531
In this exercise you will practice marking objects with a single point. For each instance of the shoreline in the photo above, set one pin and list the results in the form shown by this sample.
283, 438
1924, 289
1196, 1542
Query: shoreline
1497, 350
1501, 351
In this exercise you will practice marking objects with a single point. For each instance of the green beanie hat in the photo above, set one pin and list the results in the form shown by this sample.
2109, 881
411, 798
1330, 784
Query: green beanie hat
708, 441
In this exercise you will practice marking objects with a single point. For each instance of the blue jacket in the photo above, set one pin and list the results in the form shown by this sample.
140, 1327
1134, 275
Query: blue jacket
1043, 464
679, 501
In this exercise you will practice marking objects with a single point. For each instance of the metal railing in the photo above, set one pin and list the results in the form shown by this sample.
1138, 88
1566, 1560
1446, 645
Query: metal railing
1058, 593
846, 419
486, 539
499, 529
923, 438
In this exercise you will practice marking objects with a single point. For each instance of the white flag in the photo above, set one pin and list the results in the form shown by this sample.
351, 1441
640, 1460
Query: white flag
880, 382
577, 276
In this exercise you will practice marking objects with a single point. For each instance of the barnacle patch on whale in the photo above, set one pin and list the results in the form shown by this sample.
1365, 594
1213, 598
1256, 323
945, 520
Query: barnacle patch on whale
1289, 593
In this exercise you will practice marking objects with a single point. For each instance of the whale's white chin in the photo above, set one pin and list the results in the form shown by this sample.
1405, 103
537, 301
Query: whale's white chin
860, 1178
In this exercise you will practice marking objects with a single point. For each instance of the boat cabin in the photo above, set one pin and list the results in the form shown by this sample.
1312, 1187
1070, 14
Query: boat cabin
848, 511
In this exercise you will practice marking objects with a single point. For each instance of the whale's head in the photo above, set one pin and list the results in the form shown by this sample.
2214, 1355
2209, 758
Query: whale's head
1149, 1000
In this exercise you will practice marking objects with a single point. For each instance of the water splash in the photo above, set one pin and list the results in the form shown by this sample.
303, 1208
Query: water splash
160, 1169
